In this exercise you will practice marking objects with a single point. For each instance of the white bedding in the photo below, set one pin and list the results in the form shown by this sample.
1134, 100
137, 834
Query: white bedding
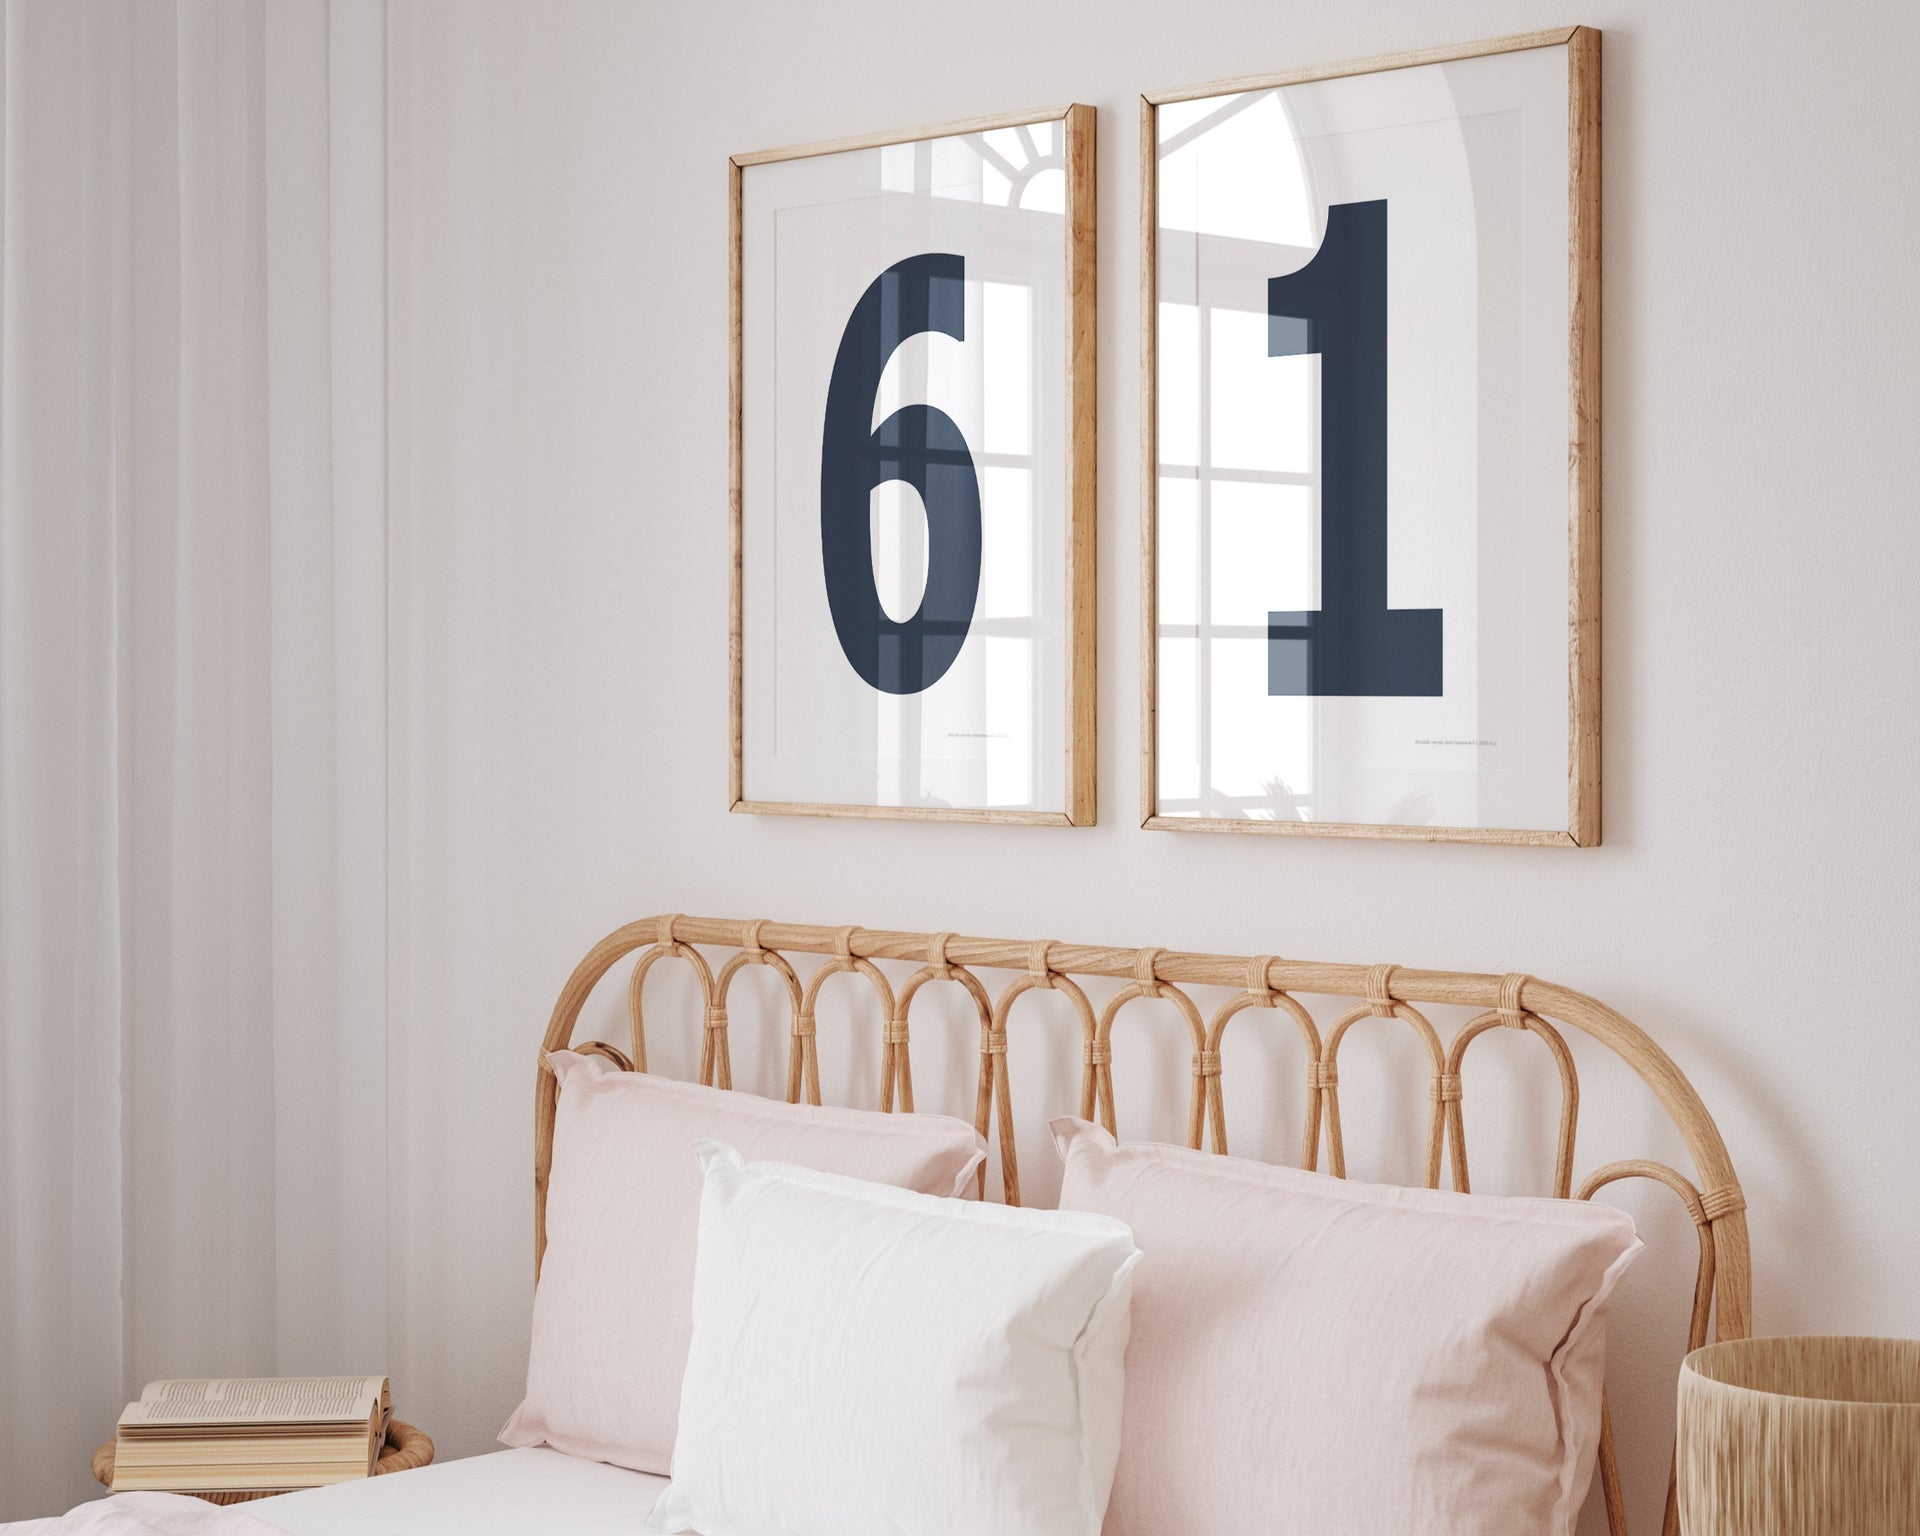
506, 1493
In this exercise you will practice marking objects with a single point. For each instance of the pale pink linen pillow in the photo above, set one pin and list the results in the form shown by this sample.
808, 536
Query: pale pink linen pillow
613, 1313
1318, 1355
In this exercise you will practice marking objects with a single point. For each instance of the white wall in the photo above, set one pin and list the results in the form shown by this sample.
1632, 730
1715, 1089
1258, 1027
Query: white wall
558, 606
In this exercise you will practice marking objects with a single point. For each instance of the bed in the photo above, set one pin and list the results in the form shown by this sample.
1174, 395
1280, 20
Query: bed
1260, 990
504, 1493
541, 1490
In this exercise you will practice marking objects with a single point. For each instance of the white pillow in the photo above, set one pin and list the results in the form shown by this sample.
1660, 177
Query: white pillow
867, 1361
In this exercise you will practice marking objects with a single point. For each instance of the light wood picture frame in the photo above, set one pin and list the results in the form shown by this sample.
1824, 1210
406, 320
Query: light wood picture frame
1372, 751
943, 275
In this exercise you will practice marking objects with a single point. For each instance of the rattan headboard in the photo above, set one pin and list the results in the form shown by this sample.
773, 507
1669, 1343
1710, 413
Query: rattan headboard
1722, 1291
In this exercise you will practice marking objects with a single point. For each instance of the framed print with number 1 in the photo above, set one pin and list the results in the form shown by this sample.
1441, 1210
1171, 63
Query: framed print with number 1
1371, 391
913, 474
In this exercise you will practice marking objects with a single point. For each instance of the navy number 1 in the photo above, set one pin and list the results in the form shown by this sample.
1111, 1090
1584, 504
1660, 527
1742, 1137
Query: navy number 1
1354, 645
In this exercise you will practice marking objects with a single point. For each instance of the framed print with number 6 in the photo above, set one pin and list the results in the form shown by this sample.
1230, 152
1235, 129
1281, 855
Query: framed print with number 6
1371, 391
913, 474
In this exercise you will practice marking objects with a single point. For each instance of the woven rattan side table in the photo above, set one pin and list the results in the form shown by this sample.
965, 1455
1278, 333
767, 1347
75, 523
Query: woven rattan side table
406, 1448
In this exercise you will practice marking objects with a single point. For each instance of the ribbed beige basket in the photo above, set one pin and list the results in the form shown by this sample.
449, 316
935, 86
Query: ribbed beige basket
1800, 1437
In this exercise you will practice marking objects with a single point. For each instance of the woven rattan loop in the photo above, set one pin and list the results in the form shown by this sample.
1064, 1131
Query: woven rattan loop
1257, 983
803, 1026
1326, 1075
1509, 1009
1380, 990
750, 937
937, 952
843, 941
716, 1018
1037, 961
1715, 1203
665, 927
1206, 1063
1143, 963
1099, 1053
993, 1041
1446, 1088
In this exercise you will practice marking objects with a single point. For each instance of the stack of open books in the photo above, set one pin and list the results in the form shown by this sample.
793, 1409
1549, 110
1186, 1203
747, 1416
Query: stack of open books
258, 1434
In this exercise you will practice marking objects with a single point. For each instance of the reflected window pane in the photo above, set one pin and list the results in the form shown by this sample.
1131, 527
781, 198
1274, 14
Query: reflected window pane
1261, 407
1178, 539
1263, 557
1009, 705
1177, 705
956, 168
1006, 143
1046, 192
1237, 171
1262, 747
1179, 346
1007, 345
896, 775
1006, 516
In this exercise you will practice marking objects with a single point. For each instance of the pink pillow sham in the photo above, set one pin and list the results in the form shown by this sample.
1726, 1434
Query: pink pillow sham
1316, 1354
613, 1312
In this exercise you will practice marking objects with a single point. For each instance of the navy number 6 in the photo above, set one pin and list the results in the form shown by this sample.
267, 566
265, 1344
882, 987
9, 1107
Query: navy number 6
918, 444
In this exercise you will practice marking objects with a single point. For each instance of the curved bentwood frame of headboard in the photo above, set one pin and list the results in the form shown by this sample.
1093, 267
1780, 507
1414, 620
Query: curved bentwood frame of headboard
1722, 1290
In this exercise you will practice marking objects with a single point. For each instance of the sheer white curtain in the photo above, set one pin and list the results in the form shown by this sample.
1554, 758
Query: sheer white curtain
192, 706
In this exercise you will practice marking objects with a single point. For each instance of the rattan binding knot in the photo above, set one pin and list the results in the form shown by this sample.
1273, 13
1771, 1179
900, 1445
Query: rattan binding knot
1099, 1053
665, 928
1038, 961
1446, 1088
1380, 990
993, 1041
1326, 1074
716, 1018
803, 1028
937, 953
1144, 961
1206, 1063
843, 941
1511, 1013
1724, 1201
896, 1032
750, 937
1257, 983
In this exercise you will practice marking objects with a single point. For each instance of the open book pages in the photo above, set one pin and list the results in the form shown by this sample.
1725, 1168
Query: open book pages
259, 1400
262, 1434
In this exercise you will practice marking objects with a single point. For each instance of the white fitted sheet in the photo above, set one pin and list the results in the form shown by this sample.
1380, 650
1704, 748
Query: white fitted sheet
535, 1492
